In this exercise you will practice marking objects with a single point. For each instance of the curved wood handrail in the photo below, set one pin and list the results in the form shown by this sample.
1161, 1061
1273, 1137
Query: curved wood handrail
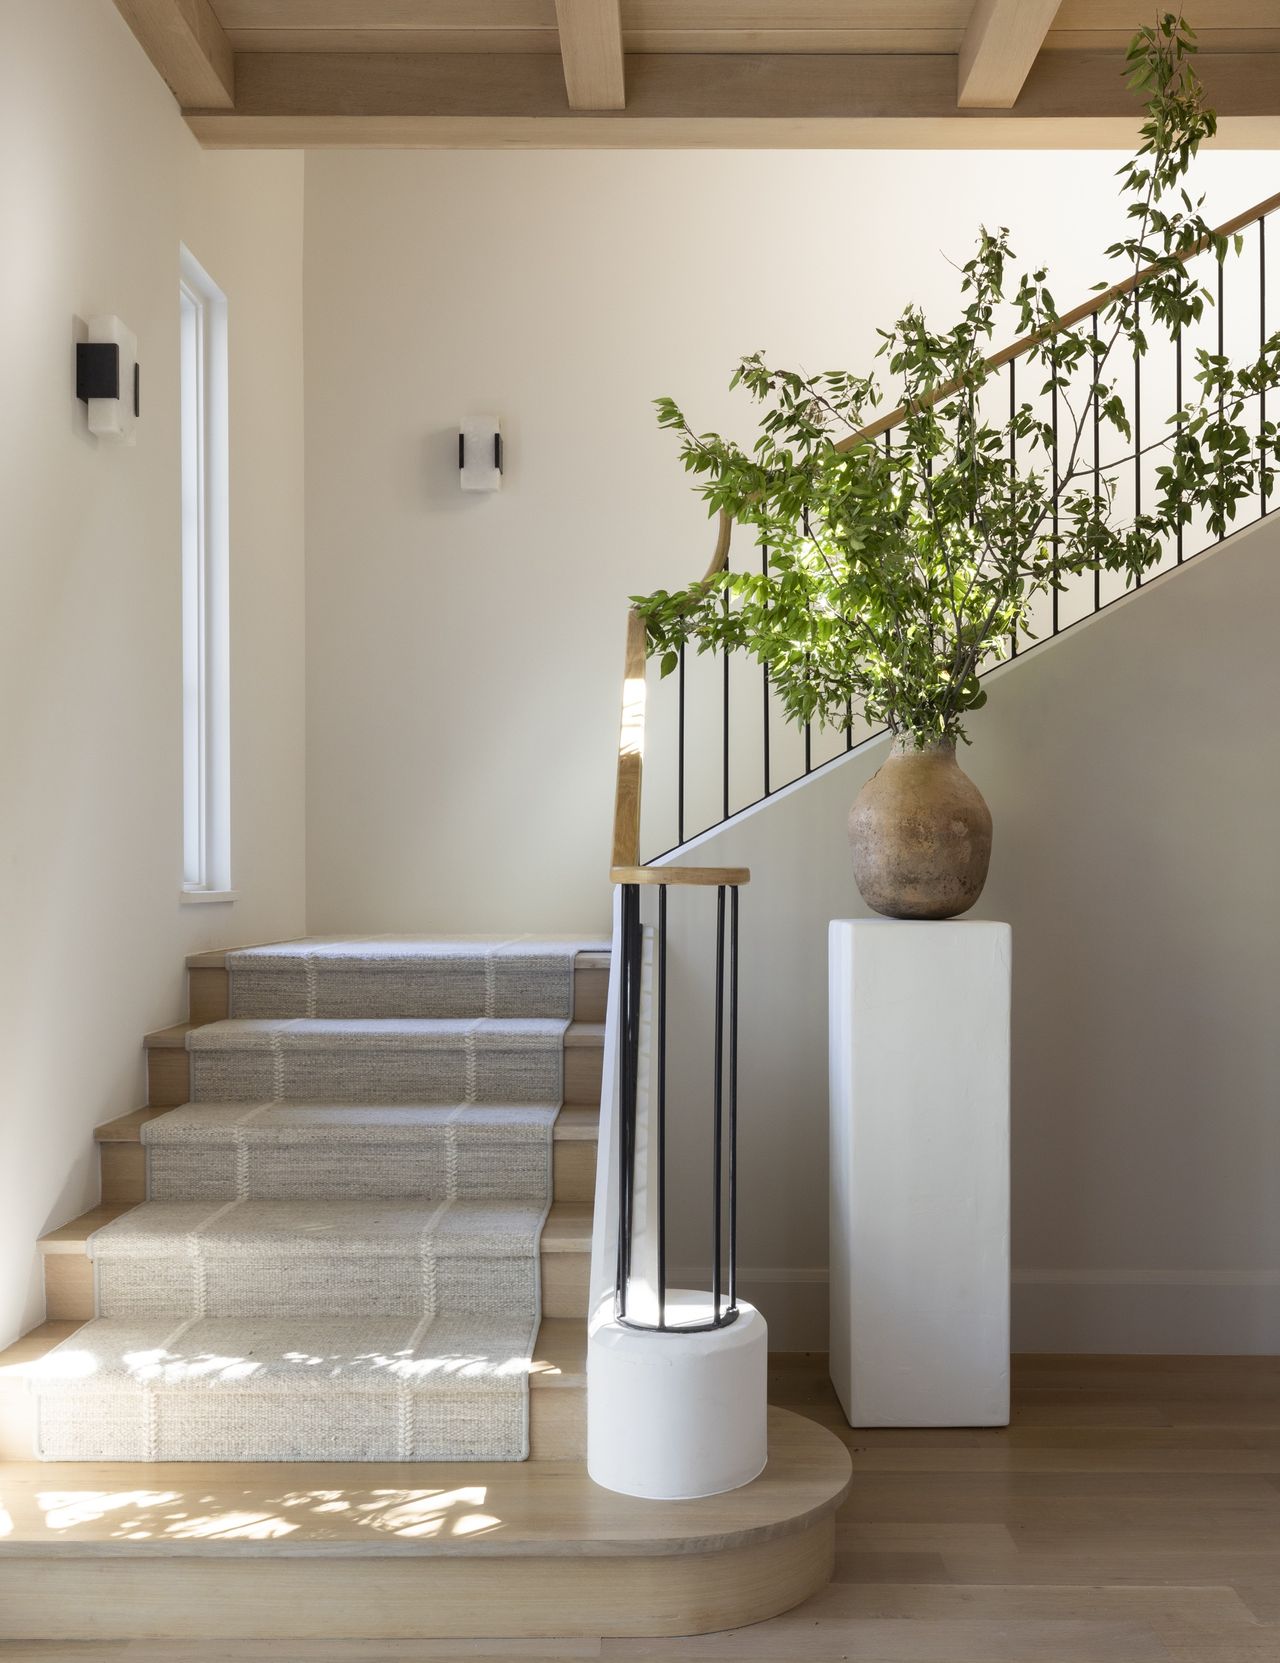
626, 865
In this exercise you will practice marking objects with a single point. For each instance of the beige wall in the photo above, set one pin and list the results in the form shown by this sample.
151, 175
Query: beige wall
464, 662
100, 183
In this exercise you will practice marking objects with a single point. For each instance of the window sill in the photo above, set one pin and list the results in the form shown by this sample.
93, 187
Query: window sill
207, 897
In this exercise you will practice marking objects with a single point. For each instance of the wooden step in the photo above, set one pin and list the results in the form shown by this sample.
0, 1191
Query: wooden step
169, 1065
557, 1391
332, 1552
566, 1260
123, 1160
207, 998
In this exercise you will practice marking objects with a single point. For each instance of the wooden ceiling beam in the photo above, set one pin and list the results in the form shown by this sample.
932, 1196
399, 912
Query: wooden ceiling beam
1000, 46
591, 53
189, 47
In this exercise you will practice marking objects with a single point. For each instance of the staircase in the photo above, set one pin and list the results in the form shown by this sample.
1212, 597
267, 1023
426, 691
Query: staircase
253, 1425
352, 1222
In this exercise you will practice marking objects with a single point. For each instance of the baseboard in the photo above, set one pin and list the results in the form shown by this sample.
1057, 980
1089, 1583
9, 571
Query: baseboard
1156, 1312
1152, 1312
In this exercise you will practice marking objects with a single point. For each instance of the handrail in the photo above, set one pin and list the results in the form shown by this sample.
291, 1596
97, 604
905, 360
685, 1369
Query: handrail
627, 866
1007, 354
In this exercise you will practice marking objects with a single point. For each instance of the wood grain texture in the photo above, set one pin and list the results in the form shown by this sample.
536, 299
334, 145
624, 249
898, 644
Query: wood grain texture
591, 53
1129, 1514
188, 45
1000, 45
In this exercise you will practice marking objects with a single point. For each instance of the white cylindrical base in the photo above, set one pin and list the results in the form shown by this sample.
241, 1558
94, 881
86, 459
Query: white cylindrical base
672, 1416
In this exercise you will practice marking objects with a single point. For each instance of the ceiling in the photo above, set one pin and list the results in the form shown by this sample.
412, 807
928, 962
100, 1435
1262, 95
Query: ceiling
618, 73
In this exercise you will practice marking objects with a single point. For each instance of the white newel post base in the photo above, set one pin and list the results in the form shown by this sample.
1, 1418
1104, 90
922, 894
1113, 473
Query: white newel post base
920, 1172
674, 1416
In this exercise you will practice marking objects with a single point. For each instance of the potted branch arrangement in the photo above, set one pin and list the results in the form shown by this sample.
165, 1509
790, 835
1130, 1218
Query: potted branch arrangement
897, 571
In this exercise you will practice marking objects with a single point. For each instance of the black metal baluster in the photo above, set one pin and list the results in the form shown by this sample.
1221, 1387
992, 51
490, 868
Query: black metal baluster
717, 1148
764, 567
1177, 393
733, 1100
628, 1060
680, 753
1097, 461
1262, 341
1137, 427
1222, 530
1054, 459
724, 803
1013, 477
662, 1106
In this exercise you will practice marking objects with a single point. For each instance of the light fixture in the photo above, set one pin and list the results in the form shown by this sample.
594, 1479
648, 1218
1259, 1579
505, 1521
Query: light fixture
480, 454
108, 378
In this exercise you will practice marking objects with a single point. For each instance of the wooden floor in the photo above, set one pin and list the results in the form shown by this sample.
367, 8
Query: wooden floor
1131, 1514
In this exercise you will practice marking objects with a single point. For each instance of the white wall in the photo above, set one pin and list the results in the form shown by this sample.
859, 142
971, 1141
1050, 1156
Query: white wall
1129, 767
464, 657
99, 184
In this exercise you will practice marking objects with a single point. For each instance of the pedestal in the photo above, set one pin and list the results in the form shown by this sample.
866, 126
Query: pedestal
920, 1172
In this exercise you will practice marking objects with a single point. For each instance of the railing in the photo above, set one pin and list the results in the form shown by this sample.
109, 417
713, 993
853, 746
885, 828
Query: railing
641, 1292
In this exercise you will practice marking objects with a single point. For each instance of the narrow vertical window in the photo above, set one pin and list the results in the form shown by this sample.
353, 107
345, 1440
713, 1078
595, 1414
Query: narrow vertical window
206, 761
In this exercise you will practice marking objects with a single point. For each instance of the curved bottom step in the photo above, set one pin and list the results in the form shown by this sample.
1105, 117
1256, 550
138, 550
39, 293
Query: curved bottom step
355, 1551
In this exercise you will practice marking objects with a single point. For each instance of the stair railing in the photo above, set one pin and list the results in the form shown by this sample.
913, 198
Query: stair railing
637, 1138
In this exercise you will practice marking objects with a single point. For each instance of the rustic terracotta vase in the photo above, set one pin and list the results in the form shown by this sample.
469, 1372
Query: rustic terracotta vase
920, 833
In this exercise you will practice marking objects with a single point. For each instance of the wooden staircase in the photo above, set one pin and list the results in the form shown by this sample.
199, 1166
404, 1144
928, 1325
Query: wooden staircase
265, 1550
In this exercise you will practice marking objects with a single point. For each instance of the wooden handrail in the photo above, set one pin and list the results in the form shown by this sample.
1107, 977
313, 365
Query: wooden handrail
626, 865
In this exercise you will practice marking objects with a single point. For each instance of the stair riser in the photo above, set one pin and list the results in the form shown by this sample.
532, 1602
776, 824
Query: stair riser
69, 1286
208, 1000
124, 1172
227, 1596
169, 1076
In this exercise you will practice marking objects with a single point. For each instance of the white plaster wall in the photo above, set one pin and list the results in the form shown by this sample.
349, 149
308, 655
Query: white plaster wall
464, 657
99, 183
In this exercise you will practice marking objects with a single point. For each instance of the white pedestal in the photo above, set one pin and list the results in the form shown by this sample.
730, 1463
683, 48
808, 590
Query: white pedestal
673, 1416
920, 1172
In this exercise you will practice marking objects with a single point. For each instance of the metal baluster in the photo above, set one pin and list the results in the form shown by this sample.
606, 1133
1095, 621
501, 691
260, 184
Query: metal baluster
1177, 393
1262, 341
733, 1100
628, 1059
724, 803
1137, 428
717, 1150
764, 567
1013, 477
1222, 530
1097, 461
662, 1106
1054, 459
680, 753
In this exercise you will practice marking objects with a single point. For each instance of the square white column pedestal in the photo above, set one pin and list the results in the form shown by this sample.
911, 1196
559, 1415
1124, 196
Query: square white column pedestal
920, 1172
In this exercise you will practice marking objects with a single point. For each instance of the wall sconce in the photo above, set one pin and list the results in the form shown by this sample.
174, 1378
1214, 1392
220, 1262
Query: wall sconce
480, 454
108, 379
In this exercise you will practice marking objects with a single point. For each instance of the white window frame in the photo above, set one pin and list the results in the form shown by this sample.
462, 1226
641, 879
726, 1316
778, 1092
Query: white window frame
206, 677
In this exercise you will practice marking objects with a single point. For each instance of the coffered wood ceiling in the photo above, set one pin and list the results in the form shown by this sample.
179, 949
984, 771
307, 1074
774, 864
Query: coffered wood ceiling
645, 73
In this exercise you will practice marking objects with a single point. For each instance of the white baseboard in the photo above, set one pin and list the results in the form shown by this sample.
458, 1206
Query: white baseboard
1156, 1312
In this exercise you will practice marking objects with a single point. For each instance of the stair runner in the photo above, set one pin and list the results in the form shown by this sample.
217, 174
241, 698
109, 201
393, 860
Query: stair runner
339, 1256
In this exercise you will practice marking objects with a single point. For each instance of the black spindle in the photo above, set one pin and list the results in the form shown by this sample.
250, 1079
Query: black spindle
1097, 461
680, 751
764, 567
733, 1099
662, 1106
717, 1148
1262, 341
1137, 426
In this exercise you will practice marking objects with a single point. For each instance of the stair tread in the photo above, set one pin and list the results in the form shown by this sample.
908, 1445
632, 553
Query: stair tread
593, 952
534, 1508
559, 1356
573, 1124
567, 1228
